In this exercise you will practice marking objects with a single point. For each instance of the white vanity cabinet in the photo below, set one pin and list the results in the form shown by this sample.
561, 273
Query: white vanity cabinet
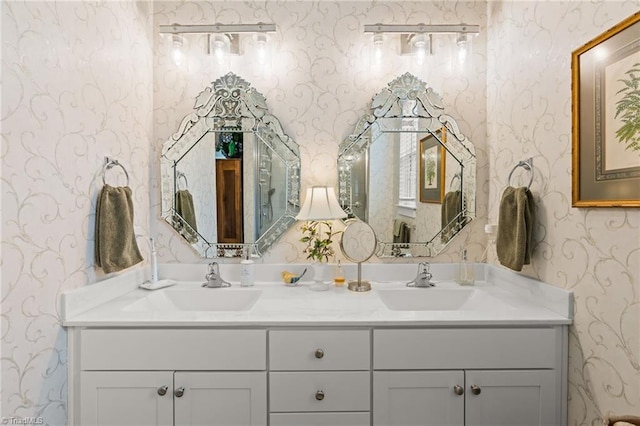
320, 377
168, 376
468, 376
338, 376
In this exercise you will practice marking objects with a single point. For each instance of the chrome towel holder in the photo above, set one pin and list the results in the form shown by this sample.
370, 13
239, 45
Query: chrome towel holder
525, 164
179, 175
453, 179
109, 164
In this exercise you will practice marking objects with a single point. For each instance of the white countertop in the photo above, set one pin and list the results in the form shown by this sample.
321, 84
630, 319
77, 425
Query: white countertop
500, 298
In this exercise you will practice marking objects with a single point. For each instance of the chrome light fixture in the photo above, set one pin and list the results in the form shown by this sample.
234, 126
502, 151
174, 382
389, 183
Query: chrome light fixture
417, 39
223, 39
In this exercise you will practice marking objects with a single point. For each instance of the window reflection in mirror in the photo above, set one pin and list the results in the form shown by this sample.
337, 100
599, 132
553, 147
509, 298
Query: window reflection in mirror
408, 171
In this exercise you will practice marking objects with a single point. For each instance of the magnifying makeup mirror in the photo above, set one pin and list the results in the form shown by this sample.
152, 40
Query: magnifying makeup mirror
358, 244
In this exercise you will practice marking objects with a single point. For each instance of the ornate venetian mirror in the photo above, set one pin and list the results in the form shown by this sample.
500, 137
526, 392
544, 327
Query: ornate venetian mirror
230, 175
408, 171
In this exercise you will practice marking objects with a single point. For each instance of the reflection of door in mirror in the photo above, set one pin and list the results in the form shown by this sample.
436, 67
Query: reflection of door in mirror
229, 200
242, 172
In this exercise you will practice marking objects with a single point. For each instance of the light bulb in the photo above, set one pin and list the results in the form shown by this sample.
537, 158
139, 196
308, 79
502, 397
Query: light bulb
219, 44
420, 44
261, 43
462, 40
177, 42
378, 42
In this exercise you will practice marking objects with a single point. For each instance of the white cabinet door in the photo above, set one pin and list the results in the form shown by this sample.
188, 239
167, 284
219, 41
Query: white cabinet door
126, 398
511, 398
224, 399
424, 398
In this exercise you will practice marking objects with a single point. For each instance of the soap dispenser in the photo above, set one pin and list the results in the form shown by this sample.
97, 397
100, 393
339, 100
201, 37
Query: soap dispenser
247, 271
465, 274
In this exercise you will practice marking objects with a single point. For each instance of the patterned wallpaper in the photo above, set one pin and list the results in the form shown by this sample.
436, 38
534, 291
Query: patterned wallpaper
76, 87
82, 80
594, 252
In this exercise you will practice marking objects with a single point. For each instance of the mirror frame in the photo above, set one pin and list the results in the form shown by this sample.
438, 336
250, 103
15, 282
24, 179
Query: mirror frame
230, 102
427, 105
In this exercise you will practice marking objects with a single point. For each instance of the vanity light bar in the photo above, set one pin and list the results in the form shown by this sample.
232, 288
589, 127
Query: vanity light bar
217, 28
422, 28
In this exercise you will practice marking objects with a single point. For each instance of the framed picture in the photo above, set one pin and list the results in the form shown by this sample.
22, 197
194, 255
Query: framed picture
605, 80
432, 162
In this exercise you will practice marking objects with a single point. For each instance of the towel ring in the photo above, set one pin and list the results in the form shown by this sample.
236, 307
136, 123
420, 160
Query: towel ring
183, 176
109, 164
527, 165
453, 179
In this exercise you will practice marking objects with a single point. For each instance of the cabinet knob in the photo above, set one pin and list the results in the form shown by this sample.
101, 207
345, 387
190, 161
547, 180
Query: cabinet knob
475, 389
458, 390
319, 395
179, 392
162, 390
319, 353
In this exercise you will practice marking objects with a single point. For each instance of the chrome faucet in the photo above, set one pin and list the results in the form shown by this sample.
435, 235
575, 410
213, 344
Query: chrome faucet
423, 279
214, 280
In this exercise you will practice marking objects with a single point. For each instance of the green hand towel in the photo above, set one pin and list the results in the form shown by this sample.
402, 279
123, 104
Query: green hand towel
115, 242
451, 208
187, 213
515, 227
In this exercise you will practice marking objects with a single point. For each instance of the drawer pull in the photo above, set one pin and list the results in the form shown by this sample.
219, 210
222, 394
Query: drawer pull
319, 353
319, 395
179, 392
162, 390
475, 389
458, 390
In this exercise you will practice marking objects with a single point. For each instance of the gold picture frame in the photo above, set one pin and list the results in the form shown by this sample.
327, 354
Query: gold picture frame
605, 73
432, 169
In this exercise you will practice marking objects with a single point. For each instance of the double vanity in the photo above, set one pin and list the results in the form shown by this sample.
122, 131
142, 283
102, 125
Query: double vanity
491, 354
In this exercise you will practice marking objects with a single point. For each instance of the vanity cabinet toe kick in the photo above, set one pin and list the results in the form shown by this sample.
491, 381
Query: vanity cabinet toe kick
318, 376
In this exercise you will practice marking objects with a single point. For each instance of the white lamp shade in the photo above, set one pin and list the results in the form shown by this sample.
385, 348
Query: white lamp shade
321, 204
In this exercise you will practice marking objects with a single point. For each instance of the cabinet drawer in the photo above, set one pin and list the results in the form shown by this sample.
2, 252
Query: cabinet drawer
399, 349
299, 392
172, 349
291, 350
320, 419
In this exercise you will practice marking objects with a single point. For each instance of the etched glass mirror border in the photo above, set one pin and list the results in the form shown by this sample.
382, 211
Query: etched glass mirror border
408, 99
231, 106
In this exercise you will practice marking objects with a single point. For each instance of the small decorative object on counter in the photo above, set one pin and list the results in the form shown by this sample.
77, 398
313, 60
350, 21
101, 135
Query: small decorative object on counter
291, 278
247, 272
465, 275
339, 279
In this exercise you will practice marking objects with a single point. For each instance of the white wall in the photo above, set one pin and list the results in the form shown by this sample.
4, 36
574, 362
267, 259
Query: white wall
594, 252
76, 87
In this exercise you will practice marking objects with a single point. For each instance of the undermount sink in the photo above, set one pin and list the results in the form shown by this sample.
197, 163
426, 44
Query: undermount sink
426, 299
196, 299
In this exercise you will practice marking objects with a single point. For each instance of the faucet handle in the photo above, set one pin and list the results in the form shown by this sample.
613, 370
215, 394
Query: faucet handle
423, 279
214, 280
213, 271
425, 271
